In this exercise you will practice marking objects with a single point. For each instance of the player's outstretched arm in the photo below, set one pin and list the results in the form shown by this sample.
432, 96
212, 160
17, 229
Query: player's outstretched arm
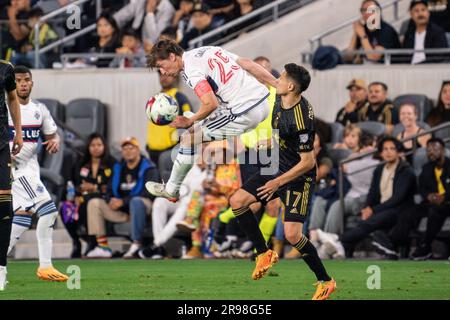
52, 143
14, 110
261, 74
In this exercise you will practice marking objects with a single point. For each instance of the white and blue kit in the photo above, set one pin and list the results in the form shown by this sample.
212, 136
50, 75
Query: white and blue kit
29, 193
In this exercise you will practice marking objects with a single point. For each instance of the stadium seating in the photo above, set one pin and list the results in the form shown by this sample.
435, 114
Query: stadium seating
56, 108
86, 116
338, 155
373, 128
421, 101
337, 132
51, 166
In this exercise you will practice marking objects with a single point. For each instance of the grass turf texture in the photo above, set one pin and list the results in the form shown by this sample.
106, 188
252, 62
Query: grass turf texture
228, 279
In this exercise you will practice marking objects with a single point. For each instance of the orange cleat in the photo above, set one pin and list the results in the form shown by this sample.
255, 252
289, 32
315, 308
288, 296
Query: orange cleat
324, 289
264, 262
51, 274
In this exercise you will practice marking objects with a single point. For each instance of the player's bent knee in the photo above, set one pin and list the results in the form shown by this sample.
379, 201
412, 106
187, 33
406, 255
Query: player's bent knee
293, 233
241, 199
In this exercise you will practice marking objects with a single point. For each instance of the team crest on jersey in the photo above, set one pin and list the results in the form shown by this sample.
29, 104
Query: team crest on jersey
37, 115
303, 138
40, 189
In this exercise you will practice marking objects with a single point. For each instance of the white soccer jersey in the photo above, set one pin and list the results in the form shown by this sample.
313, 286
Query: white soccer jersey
234, 87
36, 121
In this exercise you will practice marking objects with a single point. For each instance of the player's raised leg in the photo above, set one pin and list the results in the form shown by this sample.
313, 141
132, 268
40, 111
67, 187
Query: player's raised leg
184, 161
240, 202
47, 213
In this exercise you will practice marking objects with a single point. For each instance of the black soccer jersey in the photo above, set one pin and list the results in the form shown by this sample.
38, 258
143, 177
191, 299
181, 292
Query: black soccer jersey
294, 131
7, 84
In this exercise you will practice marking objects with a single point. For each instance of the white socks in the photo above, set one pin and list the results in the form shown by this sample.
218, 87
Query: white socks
21, 223
183, 163
44, 235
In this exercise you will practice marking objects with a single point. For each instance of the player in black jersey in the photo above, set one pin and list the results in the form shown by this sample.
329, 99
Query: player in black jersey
293, 123
8, 89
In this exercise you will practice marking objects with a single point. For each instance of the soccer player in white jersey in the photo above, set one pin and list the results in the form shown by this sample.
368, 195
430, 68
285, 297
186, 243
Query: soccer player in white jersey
29, 193
233, 95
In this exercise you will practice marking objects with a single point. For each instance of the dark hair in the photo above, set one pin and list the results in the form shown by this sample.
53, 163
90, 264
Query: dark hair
367, 139
131, 33
395, 141
169, 32
22, 69
299, 74
379, 83
35, 12
108, 17
436, 140
374, 1
440, 104
161, 50
105, 158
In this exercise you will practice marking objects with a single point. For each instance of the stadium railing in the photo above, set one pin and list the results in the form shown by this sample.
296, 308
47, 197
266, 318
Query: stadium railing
389, 54
91, 57
266, 14
317, 40
442, 126
64, 10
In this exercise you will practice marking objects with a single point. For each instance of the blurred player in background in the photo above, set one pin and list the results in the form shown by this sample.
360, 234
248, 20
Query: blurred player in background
29, 193
7, 89
232, 100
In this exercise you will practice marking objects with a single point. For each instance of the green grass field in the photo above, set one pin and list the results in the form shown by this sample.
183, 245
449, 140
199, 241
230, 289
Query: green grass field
228, 279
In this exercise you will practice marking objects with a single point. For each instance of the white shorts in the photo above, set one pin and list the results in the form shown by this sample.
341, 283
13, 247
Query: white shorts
29, 194
222, 123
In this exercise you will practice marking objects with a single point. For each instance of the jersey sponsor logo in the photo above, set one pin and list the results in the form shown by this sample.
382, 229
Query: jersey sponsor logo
29, 133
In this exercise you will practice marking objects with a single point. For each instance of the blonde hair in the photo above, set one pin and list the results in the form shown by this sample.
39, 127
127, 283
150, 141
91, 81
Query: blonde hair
351, 128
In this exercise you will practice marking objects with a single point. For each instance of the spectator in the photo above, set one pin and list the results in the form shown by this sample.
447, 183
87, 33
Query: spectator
91, 178
434, 187
441, 113
324, 163
202, 23
408, 118
241, 8
169, 33
166, 214
148, 16
163, 138
223, 179
15, 33
46, 36
265, 62
182, 21
358, 97
323, 129
131, 45
379, 108
368, 36
332, 221
392, 190
108, 39
440, 13
127, 199
219, 9
352, 138
423, 34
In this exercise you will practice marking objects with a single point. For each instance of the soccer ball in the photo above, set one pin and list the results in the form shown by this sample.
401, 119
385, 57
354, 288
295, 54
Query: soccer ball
161, 109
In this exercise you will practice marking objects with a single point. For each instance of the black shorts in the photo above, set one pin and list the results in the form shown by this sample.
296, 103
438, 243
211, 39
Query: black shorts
295, 196
5, 168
